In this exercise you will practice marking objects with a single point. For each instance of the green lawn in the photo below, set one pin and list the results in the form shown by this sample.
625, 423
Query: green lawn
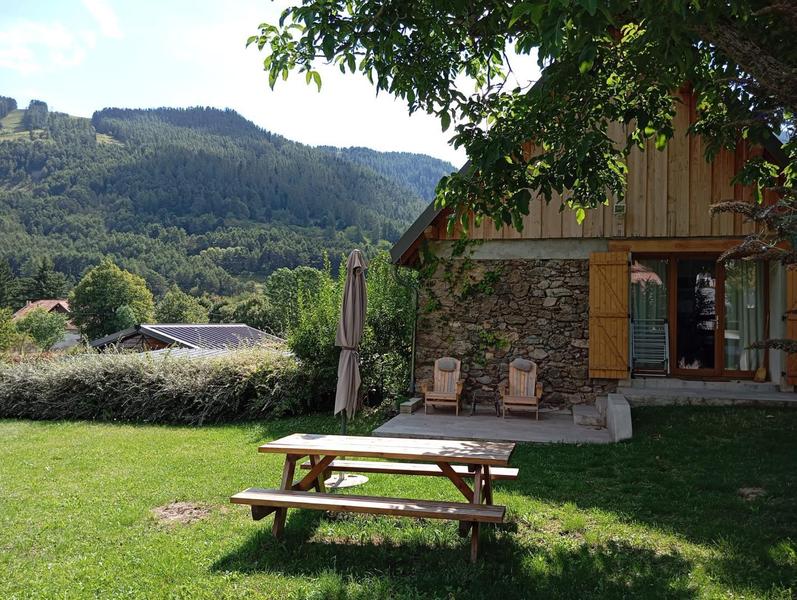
660, 516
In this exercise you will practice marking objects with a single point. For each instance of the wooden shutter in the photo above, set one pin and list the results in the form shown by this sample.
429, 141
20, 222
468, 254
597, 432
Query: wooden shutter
791, 323
608, 315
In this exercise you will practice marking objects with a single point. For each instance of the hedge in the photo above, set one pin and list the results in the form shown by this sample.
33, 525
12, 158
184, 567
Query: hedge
251, 384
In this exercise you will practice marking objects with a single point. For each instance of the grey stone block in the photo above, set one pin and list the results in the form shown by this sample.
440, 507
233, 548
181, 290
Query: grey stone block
411, 405
618, 417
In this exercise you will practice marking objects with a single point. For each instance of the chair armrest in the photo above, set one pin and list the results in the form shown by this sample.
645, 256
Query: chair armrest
538, 390
425, 386
460, 385
503, 389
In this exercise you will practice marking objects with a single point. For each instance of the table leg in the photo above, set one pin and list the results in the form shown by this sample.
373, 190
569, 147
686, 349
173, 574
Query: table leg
488, 485
318, 483
287, 483
455, 478
477, 499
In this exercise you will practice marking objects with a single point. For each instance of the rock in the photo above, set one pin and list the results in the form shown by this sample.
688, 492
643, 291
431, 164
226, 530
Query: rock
538, 307
558, 292
548, 302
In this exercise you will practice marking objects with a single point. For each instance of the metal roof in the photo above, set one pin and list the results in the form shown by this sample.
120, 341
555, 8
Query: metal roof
206, 336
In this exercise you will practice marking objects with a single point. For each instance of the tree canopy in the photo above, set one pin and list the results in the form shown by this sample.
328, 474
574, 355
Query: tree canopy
178, 307
197, 197
108, 299
600, 61
45, 328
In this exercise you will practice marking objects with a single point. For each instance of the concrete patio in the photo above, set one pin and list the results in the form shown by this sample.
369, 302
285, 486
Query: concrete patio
553, 427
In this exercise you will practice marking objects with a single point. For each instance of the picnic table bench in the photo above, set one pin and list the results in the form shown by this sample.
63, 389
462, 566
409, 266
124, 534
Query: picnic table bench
482, 462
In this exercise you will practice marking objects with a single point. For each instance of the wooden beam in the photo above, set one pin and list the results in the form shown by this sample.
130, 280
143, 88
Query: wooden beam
314, 477
673, 245
477, 500
458, 482
287, 482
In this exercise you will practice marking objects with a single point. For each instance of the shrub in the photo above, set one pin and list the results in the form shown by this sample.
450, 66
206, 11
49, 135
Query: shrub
249, 384
313, 337
386, 345
46, 329
8, 332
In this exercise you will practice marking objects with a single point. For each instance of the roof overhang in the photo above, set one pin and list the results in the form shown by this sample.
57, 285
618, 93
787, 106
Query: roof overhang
120, 336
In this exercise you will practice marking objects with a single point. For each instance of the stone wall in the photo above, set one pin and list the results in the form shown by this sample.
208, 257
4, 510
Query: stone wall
531, 308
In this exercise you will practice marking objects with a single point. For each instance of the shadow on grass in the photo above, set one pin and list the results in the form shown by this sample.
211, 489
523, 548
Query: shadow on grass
414, 568
681, 475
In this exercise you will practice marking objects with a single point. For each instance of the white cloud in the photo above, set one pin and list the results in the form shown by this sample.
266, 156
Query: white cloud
30, 46
105, 16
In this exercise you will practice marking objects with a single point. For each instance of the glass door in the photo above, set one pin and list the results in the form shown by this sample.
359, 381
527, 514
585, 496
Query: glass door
745, 315
696, 317
650, 348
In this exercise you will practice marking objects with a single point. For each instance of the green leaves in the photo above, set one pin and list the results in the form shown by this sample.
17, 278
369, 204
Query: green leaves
601, 63
533, 10
586, 59
313, 76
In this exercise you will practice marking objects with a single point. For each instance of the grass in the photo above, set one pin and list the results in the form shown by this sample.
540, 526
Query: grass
657, 517
104, 138
12, 126
12, 122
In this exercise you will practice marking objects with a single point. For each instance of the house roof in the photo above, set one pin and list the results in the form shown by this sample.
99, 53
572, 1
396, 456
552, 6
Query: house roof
205, 336
201, 353
47, 305
414, 232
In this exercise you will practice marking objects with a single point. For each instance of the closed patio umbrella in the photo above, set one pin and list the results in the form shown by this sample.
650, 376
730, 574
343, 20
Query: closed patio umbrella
350, 331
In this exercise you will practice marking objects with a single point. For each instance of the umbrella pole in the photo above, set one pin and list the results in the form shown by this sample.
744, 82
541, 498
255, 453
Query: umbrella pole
343, 420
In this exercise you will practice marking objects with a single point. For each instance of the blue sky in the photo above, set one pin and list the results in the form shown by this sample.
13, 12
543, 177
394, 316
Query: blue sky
83, 55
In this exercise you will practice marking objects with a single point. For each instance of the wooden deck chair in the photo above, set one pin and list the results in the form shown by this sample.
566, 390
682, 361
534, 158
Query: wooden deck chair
447, 386
524, 389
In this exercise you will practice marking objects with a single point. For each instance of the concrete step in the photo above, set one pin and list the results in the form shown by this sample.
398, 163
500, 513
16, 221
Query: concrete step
588, 416
667, 383
411, 405
707, 397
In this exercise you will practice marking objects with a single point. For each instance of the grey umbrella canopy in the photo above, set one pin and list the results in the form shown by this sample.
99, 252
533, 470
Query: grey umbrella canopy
350, 331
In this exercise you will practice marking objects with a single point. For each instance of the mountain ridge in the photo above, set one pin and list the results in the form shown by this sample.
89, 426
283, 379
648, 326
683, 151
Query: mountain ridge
201, 197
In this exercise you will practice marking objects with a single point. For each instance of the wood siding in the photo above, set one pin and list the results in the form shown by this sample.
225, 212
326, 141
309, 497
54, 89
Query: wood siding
668, 195
608, 315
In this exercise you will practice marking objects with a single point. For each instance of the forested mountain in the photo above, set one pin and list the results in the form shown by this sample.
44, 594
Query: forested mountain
417, 172
200, 197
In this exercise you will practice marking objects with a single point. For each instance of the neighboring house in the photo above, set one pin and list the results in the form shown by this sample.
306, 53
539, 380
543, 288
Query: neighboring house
634, 290
215, 336
55, 305
71, 335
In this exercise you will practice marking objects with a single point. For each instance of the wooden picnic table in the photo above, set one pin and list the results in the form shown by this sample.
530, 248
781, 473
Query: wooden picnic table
457, 460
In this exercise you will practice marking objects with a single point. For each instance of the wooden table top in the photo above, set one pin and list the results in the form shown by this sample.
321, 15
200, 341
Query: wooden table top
449, 451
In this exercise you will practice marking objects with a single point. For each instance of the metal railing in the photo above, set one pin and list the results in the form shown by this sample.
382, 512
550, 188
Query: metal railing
650, 345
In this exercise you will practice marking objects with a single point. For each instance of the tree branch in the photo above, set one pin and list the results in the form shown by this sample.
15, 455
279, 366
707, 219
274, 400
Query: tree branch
775, 77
